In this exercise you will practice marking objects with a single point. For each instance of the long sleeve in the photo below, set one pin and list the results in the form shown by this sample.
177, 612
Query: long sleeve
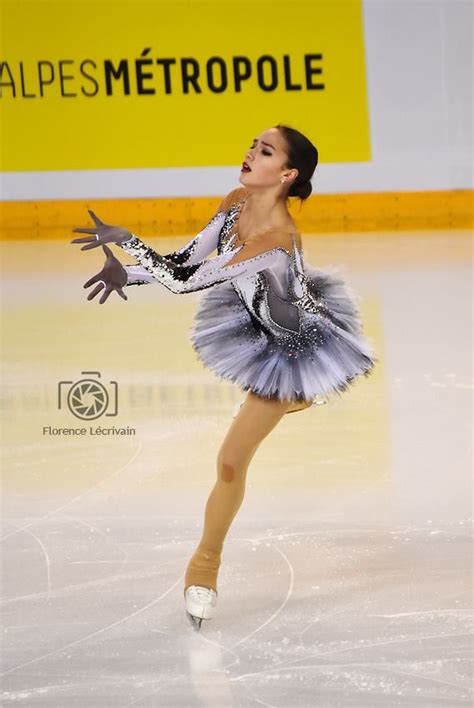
198, 276
195, 251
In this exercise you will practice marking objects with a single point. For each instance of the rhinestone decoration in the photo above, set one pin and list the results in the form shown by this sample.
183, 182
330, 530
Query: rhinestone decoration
306, 343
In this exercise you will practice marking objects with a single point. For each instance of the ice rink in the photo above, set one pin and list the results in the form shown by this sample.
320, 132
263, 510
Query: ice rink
346, 578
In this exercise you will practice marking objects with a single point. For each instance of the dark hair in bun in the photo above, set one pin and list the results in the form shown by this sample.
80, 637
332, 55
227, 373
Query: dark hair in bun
303, 156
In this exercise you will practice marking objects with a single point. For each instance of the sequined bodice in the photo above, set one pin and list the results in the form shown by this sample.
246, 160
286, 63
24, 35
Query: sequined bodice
272, 285
227, 239
283, 284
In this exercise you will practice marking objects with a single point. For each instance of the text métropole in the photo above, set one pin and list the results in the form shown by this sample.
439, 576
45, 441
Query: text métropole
159, 75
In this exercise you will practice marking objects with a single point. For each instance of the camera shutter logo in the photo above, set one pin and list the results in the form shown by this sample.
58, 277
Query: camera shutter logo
87, 398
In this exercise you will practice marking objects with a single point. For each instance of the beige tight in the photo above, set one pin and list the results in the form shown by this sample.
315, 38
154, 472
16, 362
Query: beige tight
254, 421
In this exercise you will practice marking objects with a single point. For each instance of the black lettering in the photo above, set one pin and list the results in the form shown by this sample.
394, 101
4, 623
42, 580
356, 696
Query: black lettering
267, 59
41, 79
63, 78
114, 73
166, 72
216, 88
141, 75
241, 74
4, 65
271, 73
310, 70
191, 76
88, 76
23, 90
287, 70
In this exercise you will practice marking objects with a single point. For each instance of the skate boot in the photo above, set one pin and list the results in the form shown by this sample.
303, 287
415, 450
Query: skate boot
200, 604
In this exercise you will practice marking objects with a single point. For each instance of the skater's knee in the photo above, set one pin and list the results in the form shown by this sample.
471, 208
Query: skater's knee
229, 467
226, 472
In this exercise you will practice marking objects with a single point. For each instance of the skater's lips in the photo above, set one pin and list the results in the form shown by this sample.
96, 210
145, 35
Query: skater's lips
245, 165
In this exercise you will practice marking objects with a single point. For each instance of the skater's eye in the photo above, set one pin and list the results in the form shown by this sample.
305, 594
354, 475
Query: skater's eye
264, 152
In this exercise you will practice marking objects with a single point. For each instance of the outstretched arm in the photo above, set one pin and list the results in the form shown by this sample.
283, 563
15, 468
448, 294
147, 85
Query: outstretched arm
201, 245
247, 259
195, 251
191, 253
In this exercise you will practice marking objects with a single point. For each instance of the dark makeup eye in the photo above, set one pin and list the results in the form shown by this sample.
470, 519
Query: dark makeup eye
264, 152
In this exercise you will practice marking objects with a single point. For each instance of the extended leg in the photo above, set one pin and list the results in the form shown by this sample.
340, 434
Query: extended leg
255, 420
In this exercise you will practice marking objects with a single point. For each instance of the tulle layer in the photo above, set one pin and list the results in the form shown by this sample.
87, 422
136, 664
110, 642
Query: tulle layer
328, 354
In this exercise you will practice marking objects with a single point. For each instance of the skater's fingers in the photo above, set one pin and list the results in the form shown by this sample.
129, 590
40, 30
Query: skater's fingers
84, 230
96, 290
107, 250
97, 221
92, 280
122, 294
84, 239
105, 294
93, 244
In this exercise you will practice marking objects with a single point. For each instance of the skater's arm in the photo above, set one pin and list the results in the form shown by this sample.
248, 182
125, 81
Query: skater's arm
196, 250
250, 258
207, 240
202, 245
137, 275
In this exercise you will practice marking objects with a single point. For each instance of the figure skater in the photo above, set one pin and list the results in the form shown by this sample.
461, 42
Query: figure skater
285, 332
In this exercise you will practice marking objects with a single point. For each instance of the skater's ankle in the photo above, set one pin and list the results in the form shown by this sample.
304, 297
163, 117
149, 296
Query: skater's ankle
203, 569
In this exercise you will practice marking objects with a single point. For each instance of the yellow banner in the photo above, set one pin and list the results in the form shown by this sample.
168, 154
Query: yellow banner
177, 83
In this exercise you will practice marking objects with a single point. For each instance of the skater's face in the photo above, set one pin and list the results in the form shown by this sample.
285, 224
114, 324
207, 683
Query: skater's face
267, 158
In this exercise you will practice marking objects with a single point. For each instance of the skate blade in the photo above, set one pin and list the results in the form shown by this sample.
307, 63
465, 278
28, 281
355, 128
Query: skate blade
194, 621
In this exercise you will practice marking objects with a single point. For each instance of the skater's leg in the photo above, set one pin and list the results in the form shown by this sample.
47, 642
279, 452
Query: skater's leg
255, 420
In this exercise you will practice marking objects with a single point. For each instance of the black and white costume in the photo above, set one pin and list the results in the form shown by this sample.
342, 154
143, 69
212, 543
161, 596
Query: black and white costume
272, 323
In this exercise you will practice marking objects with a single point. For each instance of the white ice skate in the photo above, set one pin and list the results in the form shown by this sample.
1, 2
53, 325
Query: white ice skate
200, 604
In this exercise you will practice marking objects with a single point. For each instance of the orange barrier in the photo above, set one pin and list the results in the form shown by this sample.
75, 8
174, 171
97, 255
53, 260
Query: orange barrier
176, 216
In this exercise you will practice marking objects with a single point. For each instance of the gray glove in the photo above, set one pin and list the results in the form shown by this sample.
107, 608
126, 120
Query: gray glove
102, 233
113, 276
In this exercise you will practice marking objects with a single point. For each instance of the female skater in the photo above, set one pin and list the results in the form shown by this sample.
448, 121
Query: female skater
284, 331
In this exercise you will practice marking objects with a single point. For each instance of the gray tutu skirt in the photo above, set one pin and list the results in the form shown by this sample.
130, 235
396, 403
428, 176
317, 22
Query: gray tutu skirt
327, 354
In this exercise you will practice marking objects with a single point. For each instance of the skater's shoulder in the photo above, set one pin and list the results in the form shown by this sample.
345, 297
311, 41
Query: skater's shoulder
284, 237
234, 196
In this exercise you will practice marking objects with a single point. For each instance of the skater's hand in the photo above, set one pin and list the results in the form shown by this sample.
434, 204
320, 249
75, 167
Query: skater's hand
113, 276
102, 233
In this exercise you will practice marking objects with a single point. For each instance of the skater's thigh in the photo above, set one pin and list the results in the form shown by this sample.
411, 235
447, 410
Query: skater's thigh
255, 420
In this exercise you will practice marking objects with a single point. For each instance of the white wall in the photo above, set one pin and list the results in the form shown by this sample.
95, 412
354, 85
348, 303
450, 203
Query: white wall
419, 74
